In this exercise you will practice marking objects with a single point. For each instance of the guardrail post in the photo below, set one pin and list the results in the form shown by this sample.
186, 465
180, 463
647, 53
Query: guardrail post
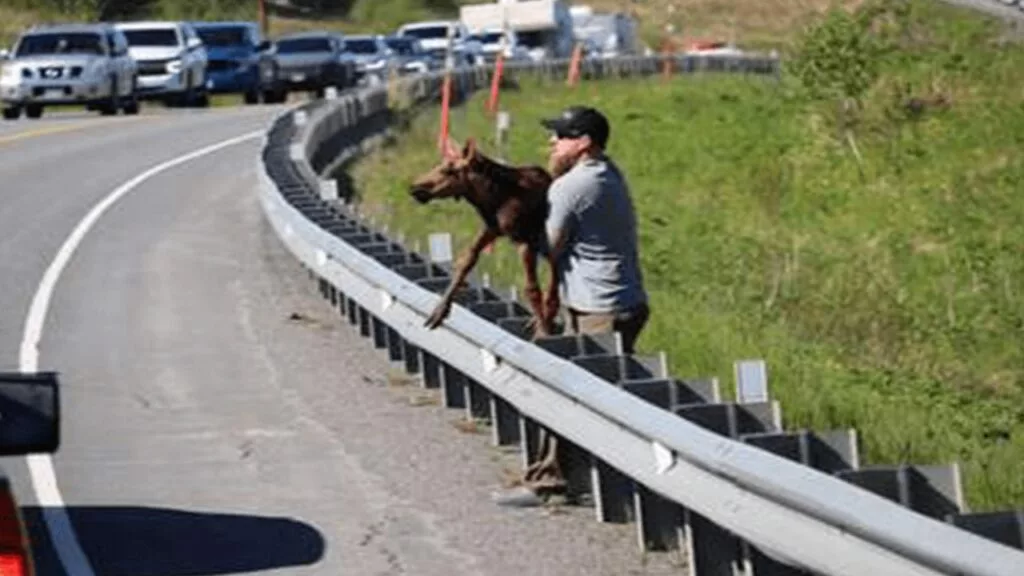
365, 326
934, 491
453, 387
613, 491
504, 421
1005, 527
712, 550
430, 369
830, 451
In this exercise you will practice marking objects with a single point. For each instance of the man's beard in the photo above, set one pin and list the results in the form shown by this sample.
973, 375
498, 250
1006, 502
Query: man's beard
559, 165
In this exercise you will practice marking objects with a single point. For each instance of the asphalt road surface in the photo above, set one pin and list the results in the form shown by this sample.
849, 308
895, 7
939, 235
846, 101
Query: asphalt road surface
218, 416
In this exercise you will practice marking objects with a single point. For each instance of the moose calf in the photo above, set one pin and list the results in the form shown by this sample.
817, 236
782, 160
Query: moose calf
512, 201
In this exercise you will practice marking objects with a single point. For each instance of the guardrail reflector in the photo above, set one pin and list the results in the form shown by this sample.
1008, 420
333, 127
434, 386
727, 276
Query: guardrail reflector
664, 459
490, 361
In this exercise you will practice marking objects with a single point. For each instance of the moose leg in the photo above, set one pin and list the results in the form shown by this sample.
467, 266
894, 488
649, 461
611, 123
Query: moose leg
463, 266
545, 474
529, 258
551, 299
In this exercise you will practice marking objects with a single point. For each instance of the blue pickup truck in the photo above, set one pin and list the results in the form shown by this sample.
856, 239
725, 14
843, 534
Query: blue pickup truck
240, 61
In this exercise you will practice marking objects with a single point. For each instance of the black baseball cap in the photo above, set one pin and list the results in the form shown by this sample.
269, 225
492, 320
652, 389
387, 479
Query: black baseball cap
577, 121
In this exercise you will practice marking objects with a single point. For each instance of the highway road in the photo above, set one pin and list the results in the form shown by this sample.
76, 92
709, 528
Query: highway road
218, 416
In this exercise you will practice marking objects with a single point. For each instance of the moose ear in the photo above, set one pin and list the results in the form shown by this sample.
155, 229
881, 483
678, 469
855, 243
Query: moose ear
469, 150
451, 149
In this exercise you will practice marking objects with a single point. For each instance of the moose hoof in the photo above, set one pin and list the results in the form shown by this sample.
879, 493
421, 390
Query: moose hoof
538, 328
437, 317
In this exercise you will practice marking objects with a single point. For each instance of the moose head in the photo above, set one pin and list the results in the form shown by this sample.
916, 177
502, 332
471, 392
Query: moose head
450, 178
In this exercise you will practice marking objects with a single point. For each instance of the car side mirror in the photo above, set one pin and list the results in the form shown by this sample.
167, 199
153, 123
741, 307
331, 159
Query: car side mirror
263, 46
193, 43
4, 54
29, 413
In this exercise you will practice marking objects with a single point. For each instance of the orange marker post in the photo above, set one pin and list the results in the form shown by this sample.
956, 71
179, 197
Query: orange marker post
446, 96
574, 65
492, 102
666, 62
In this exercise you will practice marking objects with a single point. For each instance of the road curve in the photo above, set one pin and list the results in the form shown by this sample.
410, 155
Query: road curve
218, 417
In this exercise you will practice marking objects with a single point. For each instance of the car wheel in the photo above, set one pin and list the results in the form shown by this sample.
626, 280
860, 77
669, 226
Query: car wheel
131, 105
275, 96
252, 96
201, 99
34, 111
12, 113
109, 108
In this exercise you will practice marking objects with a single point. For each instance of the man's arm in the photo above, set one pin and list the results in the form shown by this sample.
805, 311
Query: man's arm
561, 220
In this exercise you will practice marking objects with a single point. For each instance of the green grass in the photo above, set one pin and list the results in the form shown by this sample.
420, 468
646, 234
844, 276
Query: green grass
887, 296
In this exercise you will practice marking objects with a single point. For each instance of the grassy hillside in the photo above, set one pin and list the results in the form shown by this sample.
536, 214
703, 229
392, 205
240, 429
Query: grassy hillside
873, 258
758, 25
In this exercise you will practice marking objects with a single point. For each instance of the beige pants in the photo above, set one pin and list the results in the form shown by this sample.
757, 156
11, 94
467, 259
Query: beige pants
545, 474
629, 323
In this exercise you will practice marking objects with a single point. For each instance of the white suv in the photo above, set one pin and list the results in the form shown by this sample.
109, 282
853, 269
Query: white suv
433, 37
71, 64
172, 61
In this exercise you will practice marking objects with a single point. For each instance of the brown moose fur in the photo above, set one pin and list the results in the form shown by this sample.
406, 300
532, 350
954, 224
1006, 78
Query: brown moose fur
512, 201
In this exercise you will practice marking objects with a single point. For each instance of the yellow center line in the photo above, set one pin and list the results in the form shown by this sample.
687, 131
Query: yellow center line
63, 128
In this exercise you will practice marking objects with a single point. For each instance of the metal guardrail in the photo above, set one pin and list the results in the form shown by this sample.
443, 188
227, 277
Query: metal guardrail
722, 481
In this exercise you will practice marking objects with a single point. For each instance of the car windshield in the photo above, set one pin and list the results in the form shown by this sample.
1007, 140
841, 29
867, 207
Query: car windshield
490, 38
402, 46
224, 36
532, 39
294, 45
73, 43
427, 32
154, 37
361, 46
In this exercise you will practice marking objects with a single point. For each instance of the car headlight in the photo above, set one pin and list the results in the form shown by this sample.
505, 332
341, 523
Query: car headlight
97, 69
14, 72
174, 66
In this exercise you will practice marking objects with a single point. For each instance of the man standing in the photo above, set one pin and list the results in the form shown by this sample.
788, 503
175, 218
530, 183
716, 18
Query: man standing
591, 230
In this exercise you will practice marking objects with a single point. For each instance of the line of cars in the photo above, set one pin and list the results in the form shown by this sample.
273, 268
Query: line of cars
111, 67
1013, 4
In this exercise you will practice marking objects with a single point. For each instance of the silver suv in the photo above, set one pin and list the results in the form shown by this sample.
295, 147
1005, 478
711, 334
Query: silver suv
172, 61
71, 64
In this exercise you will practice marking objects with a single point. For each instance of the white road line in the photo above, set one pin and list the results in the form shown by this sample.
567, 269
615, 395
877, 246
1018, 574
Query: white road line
44, 479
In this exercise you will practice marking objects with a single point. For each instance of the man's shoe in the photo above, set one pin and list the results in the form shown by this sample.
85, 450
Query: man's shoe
518, 497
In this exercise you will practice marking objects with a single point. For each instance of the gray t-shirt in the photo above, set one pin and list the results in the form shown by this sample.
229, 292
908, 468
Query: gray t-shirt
600, 268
